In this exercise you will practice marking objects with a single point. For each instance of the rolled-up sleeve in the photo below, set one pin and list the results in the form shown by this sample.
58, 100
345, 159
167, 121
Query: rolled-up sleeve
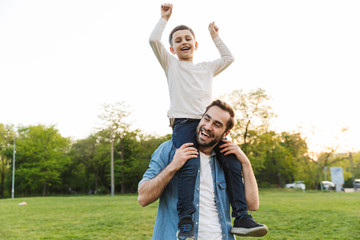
159, 160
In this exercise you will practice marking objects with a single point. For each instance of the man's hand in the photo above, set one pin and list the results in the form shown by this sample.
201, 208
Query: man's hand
182, 154
166, 10
229, 147
214, 30
150, 190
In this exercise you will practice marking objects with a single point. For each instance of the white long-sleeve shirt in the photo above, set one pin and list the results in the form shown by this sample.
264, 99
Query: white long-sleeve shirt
190, 85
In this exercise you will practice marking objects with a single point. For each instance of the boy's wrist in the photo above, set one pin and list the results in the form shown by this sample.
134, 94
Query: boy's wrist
165, 17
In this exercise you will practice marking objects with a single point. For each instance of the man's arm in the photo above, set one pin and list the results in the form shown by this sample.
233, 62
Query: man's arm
250, 184
150, 190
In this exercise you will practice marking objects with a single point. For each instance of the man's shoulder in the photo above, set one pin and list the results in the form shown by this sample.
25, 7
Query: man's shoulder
166, 144
164, 147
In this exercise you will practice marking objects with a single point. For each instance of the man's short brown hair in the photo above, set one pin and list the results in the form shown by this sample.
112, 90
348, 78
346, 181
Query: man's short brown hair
178, 28
226, 107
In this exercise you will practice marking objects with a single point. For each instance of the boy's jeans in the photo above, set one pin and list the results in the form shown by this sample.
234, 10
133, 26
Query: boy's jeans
184, 131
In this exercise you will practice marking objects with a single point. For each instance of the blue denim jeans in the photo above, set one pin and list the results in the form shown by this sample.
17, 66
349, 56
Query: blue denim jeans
184, 131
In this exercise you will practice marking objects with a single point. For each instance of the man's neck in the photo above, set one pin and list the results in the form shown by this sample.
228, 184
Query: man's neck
206, 150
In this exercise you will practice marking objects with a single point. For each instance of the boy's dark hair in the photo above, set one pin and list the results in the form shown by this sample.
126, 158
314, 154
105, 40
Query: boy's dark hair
180, 27
226, 107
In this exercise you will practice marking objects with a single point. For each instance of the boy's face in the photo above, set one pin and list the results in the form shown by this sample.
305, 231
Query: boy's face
184, 45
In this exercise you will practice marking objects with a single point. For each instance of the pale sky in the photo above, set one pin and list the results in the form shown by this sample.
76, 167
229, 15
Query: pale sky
61, 60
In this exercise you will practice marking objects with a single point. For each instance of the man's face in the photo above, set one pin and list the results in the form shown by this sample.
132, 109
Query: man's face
184, 45
212, 127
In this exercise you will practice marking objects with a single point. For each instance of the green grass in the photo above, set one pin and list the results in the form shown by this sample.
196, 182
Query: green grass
288, 214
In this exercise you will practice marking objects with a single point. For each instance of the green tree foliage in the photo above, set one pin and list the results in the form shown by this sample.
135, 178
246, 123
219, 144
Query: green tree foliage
138, 150
89, 161
6, 150
275, 157
46, 162
253, 115
41, 154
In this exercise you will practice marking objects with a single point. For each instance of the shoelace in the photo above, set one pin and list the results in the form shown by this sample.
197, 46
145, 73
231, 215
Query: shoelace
250, 218
185, 227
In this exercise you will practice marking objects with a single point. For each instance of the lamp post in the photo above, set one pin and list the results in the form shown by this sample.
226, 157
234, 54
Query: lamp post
112, 165
13, 172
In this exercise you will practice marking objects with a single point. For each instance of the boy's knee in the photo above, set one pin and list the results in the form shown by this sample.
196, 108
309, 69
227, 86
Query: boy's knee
191, 166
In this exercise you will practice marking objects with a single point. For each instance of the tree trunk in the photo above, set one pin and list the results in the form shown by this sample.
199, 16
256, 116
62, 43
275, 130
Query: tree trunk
44, 189
96, 181
2, 177
123, 188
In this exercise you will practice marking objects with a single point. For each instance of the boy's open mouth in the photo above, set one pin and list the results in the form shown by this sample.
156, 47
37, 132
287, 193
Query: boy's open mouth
185, 49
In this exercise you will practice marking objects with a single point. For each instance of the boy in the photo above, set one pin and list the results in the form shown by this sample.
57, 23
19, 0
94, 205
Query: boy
190, 88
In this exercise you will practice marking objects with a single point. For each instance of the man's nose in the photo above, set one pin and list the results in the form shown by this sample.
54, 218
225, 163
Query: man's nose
208, 126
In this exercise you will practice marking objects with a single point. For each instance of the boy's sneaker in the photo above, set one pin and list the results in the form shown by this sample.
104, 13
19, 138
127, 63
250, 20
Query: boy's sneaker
246, 226
186, 229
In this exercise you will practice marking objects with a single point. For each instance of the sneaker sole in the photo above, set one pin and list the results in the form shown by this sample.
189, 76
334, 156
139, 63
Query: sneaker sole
251, 232
186, 238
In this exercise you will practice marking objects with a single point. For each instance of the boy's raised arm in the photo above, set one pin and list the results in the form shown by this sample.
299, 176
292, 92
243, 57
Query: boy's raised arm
166, 10
214, 30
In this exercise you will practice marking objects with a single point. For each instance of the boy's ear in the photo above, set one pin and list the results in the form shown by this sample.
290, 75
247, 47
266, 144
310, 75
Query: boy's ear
196, 45
172, 50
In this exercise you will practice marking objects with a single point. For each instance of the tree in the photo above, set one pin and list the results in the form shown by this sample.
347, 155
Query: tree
252, 115
6, 141
41, 154
115, 129
277, 162
91, 157
138, 150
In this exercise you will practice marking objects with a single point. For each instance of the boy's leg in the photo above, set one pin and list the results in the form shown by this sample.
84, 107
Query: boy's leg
244, 225
184, 131
234, 183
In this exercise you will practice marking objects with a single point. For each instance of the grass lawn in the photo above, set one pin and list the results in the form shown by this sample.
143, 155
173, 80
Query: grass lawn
288, 214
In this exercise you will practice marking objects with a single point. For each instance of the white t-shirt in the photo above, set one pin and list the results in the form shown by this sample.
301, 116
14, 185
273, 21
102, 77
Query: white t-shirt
190, 85
209, 225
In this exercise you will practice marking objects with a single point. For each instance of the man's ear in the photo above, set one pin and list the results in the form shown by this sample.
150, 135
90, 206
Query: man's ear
226, 133
172, 50
196, 45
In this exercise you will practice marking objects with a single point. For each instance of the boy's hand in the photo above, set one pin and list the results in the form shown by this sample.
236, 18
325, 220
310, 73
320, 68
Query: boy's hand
183, 154
229, 147
166, 10
214, 30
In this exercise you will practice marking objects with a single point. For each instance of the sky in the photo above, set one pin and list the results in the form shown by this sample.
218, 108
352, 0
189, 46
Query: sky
60, 61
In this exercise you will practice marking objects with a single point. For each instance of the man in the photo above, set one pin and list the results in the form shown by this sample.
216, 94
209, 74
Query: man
212, 218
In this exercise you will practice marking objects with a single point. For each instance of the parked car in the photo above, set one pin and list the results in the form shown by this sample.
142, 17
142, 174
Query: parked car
327, 185
297, 184
356, 184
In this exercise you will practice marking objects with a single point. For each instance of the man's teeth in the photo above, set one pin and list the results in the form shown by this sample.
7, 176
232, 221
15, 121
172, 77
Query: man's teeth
204, 133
